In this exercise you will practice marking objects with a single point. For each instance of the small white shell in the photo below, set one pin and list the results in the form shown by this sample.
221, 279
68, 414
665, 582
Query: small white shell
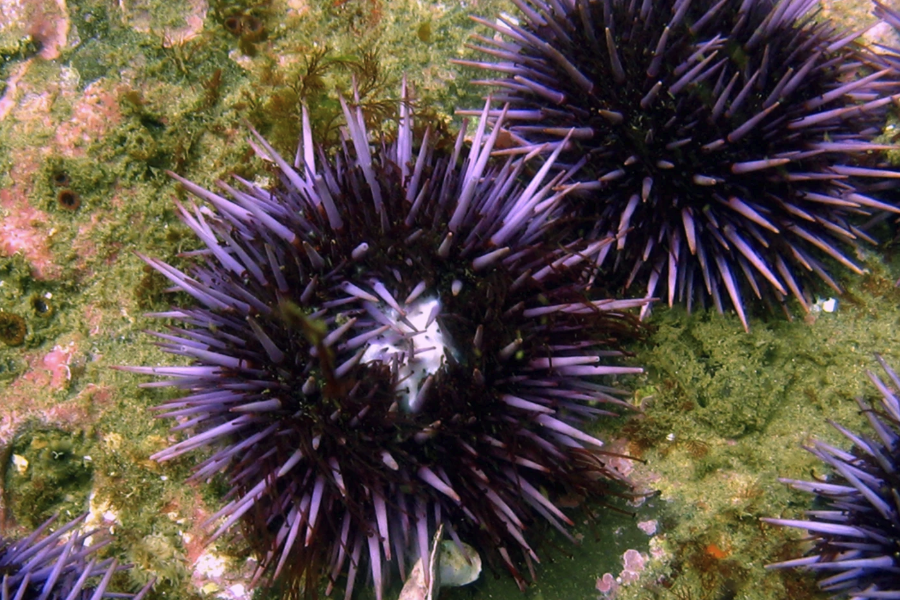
458, 567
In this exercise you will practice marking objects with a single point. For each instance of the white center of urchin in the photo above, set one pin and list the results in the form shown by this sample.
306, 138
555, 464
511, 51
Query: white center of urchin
415, 346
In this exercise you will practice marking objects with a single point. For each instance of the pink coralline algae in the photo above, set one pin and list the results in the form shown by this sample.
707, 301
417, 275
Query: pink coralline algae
53, 369
45, 21
607, 585
24, 402
37, 394
648, 527
23, 231
620, 464
176, 32
633, 564
92, 117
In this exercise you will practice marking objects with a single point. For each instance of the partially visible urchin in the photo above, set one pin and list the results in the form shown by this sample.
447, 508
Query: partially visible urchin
381, 344
891, 16
58, 566
856, 532
727, 145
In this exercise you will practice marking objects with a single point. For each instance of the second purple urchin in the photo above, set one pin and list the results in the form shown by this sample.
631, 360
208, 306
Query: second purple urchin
382, 344
856, 534
727, 145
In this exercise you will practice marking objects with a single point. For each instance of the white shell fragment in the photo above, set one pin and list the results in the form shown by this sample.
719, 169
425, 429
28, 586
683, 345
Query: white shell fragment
449, 568
828, 305
21, 463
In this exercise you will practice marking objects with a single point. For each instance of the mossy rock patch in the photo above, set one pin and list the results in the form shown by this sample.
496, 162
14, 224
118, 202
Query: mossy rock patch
47, 471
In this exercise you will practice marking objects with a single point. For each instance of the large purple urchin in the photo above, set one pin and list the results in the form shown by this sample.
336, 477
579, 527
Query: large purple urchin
726, 144
58, 566
381, 344
857, 535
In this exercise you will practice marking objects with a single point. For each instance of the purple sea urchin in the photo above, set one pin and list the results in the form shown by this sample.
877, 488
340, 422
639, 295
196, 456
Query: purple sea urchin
57, 566
383, 345
857, 535
726, 143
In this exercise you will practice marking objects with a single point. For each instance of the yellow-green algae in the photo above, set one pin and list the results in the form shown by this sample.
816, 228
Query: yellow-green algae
724, 413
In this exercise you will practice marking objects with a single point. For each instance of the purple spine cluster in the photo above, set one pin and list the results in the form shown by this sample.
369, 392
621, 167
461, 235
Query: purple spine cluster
856, 534
58, 566
728, 146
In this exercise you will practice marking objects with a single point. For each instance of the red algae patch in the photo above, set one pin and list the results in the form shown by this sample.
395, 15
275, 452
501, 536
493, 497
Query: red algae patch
45, 21
23, 230
52, 370
37, 393
25, 401
180, 22
93, 115
95, 111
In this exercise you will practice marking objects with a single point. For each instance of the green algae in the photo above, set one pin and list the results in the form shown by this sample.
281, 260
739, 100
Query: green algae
49, 471
731, 382
158, 556
36, 301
